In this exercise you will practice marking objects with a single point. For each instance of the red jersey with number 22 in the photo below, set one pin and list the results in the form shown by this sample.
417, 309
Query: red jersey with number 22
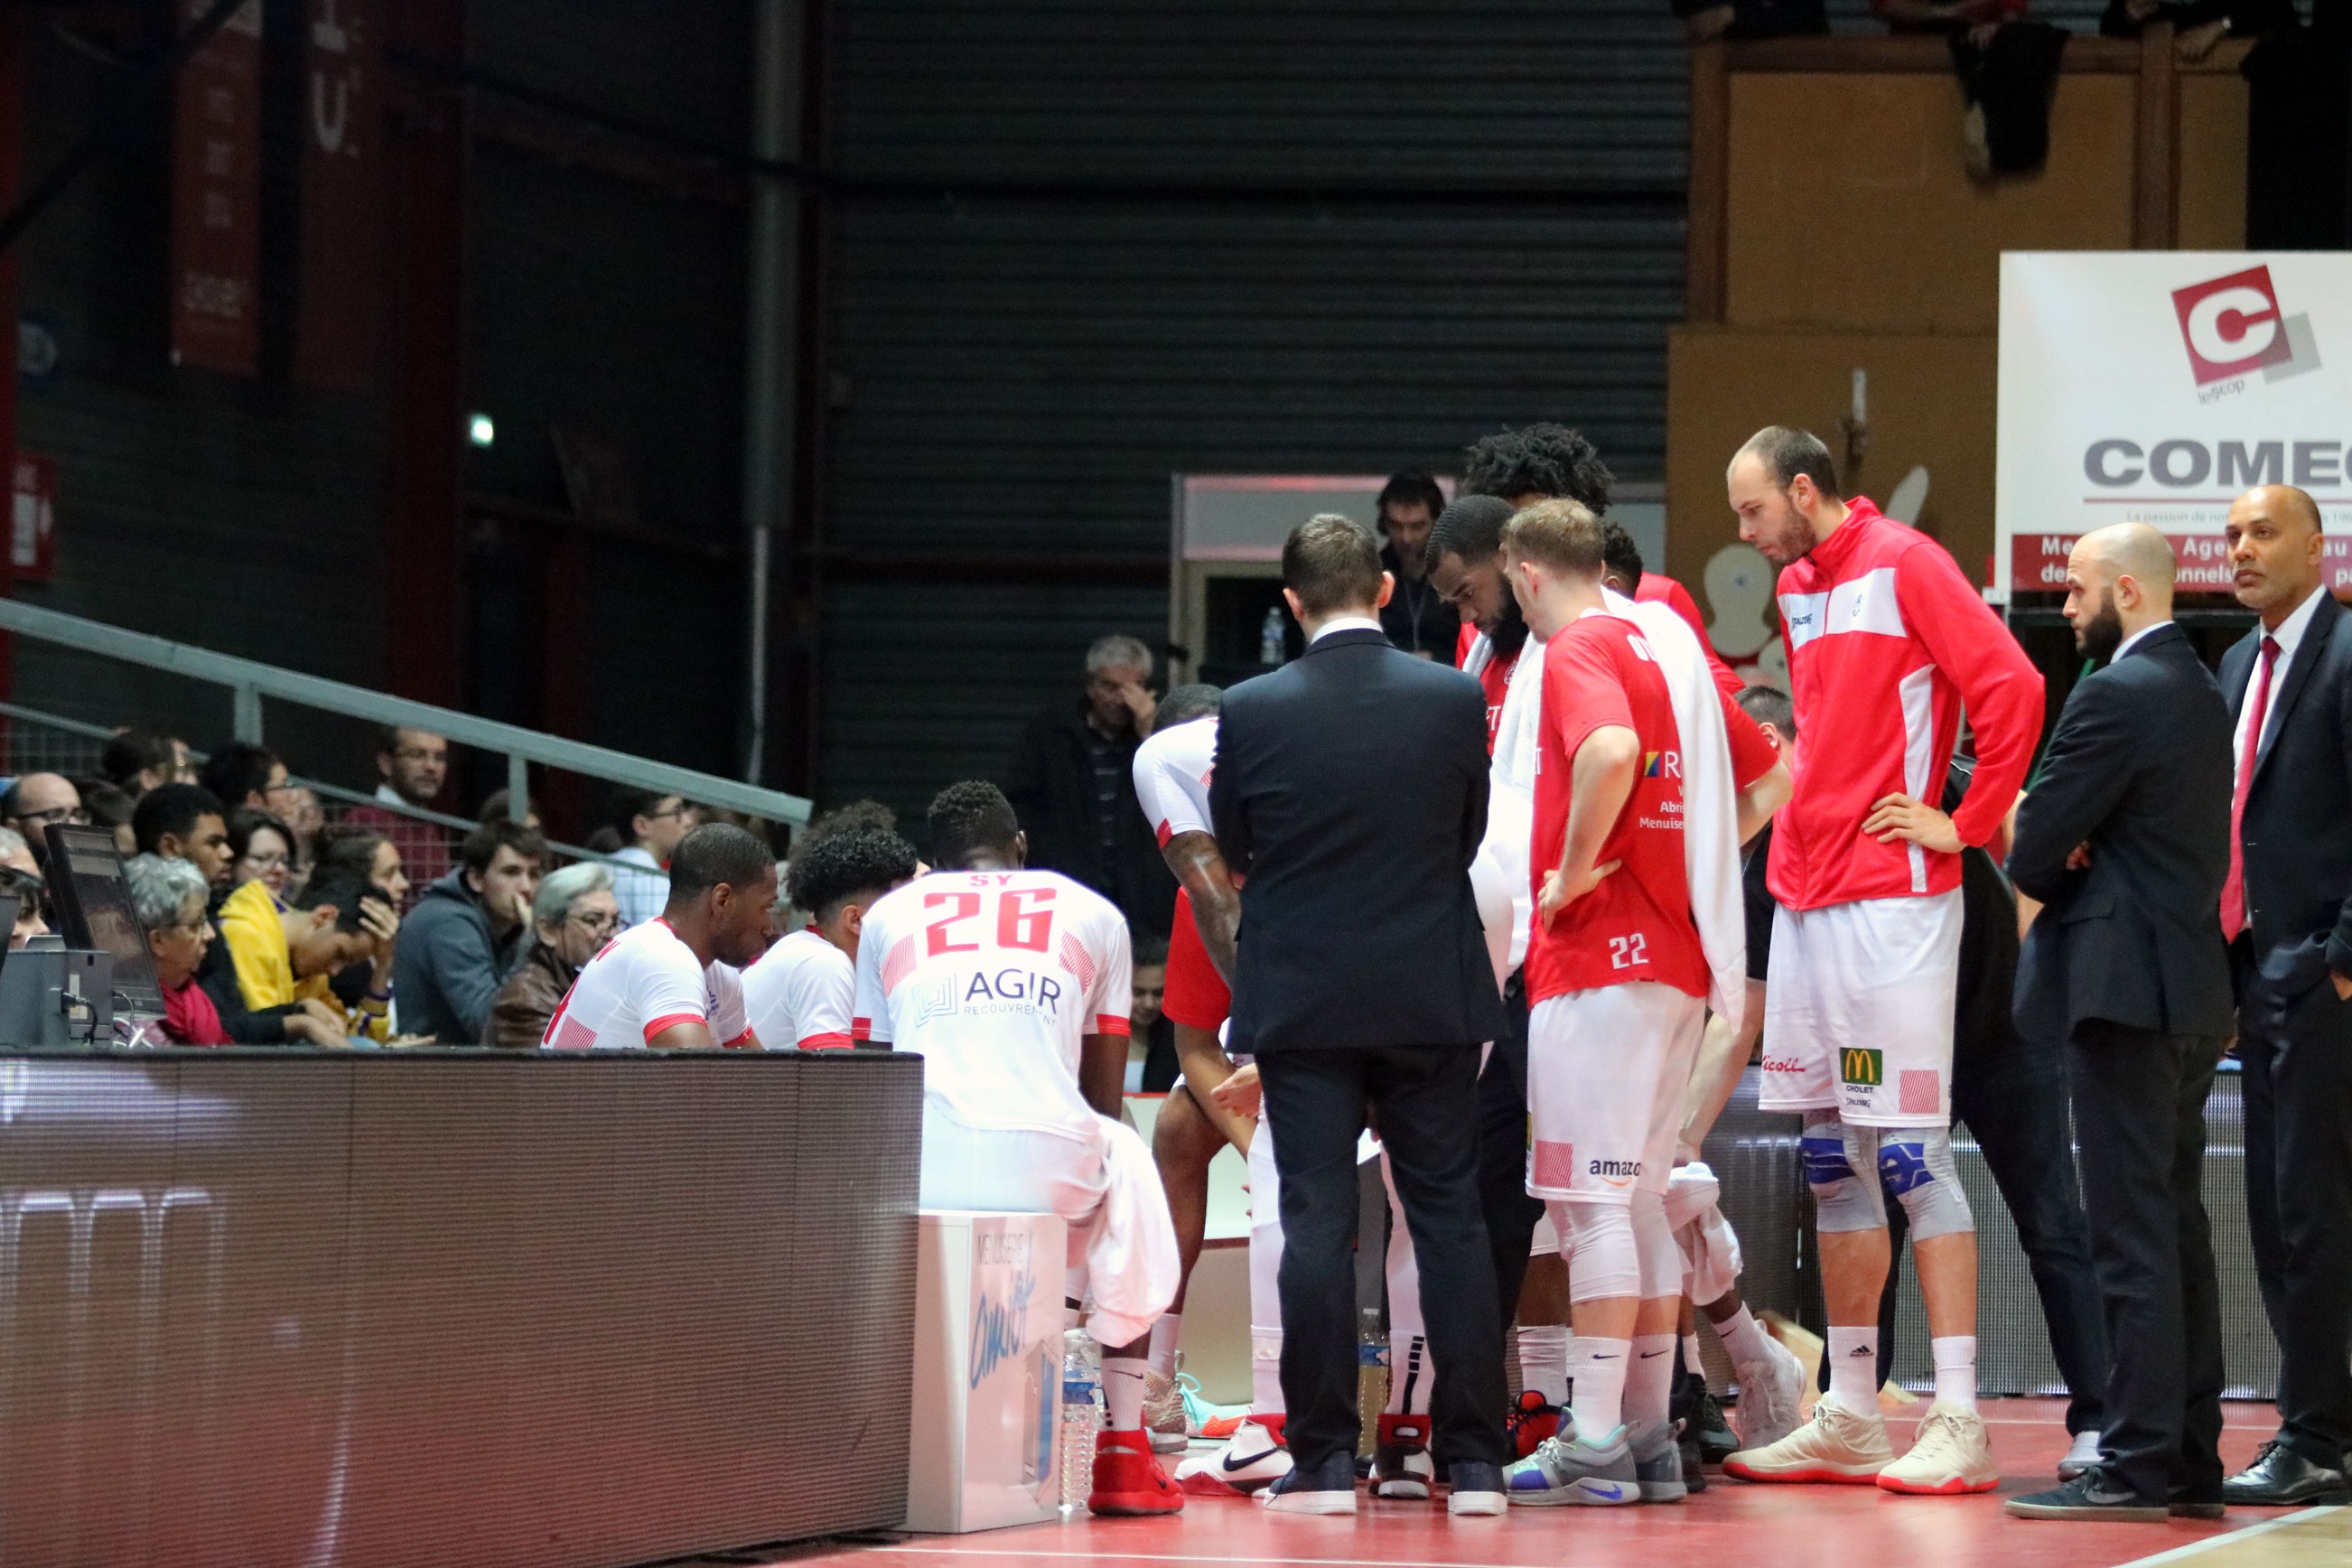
1636, 924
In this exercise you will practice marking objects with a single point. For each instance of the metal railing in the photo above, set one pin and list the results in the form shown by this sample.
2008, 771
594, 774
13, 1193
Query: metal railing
249, 682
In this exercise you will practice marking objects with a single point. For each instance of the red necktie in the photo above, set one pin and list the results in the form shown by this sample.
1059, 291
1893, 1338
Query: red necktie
2233, 891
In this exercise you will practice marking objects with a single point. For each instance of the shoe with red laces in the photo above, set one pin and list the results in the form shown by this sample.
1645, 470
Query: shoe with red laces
1127, 1480
1531, 1422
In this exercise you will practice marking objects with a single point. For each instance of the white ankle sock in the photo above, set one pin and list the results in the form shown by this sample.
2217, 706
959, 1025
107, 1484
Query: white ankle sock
1123, 1391
1743, 1337
1854, 1368
1543, 1360
1650, 1378
1956, 1370
1598, 1367
1266, 1372
1163, 1342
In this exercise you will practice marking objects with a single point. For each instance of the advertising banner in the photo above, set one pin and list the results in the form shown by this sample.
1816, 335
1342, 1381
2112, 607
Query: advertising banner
216, 196
2156, 386
342, 195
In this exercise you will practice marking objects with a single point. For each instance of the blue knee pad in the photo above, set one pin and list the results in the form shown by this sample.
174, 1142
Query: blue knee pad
1842, 1200
1914, 1166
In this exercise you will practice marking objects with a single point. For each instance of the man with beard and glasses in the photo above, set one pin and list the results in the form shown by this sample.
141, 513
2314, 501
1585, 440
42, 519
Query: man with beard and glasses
2125, 840
1887, 640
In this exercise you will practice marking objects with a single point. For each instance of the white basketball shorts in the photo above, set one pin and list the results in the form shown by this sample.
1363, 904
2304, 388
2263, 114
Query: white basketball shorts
1606, 1071
1858, 1010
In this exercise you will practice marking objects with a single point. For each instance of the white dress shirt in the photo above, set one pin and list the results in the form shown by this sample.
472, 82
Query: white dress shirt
1345, 624
2125, 647
2289, 636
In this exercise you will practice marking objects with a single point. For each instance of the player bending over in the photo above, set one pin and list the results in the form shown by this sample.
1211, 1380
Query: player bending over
1013, 986
800, 992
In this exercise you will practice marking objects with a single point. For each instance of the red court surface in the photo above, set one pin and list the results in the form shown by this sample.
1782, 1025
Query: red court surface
1732, 1524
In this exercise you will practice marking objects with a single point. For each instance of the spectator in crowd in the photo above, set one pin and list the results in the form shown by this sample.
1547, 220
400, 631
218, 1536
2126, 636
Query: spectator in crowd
244, 773
650, 824
495, 809
286, 956
261, 849
1072, 784
169, 898
185, 822
299, 809
364, 853
36, 800
109, 805
571, 916
136, 760
1152, 1067
32, 902
413, 765
1417, 618
467, 933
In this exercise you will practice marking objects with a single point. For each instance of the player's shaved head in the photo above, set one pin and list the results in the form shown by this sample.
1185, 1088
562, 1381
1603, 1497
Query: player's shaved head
2134, 550
972, 823
717, 853
1185, 703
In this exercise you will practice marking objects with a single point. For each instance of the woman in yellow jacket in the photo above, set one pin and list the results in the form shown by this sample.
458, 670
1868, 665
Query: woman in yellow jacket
285, 954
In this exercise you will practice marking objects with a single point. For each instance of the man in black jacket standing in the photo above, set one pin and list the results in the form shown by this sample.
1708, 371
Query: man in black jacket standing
1350, 790
2286, 913
1071, 781
2124, 839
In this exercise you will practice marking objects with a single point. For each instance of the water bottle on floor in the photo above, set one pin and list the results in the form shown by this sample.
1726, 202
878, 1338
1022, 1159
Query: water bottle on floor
1081, 1417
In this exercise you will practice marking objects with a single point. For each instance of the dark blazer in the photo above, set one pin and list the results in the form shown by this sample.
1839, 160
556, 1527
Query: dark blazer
1350, 791
2139, 769
2298, 826
1050, 780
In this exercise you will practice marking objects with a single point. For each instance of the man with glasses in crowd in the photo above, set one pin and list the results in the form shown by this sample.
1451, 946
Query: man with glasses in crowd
36, 800
652, 823
413, 765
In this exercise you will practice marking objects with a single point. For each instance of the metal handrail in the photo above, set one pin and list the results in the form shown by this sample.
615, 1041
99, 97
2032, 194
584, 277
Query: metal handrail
250, 681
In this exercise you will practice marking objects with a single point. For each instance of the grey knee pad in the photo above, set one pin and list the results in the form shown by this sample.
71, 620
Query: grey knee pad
1834, 1153
1914, 1166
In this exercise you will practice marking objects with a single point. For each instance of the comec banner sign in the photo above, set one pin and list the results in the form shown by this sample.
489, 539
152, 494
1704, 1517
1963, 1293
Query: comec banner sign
2156, 386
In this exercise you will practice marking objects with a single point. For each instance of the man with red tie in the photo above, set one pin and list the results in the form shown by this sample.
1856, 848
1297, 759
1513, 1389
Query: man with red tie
2286, 913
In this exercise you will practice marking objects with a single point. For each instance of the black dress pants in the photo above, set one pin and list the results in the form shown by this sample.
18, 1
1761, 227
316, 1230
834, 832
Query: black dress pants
1511, 1214
2297, 1055
2011, 1094
1426, 1102
2139, 1110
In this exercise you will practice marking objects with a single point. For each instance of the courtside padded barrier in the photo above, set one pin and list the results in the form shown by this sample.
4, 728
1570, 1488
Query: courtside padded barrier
477, 1308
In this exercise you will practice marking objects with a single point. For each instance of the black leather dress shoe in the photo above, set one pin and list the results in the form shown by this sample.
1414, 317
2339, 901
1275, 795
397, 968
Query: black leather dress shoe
2281, 1477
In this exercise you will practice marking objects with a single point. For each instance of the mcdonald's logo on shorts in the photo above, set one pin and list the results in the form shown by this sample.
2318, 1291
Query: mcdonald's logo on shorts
1864, 1068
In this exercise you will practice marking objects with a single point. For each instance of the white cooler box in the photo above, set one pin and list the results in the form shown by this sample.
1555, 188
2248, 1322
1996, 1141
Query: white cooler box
985, 1450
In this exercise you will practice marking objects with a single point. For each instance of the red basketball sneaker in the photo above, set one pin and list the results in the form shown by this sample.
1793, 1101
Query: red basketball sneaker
1127, 1480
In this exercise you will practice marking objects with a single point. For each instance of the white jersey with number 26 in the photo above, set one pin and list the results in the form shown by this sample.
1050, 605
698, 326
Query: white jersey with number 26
994, 978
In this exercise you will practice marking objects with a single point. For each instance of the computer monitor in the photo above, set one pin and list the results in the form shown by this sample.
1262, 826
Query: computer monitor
92, 900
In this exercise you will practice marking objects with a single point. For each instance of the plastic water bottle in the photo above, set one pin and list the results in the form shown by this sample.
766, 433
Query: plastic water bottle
1269, 638
1081, 1417
1372, 1374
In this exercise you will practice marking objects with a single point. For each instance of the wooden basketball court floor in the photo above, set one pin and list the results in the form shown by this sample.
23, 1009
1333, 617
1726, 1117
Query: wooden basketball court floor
1730, 1525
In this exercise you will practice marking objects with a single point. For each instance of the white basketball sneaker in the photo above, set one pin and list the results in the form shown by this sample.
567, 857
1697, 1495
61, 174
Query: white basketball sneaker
1951, 1456
1771, 1396
1251, 1460
1837, 1444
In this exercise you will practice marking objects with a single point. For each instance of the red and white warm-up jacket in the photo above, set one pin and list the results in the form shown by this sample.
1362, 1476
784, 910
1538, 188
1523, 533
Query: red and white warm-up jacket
1887, 640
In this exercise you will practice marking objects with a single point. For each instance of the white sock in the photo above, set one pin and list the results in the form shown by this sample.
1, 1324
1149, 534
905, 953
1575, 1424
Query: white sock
1691, 1362
1266, 1372
1743, 1338
1123, 1392
1956, 1370
1650, 1378
1408, 1374
1854, 1368
1543, 1360
1598, 1367
1163, 1343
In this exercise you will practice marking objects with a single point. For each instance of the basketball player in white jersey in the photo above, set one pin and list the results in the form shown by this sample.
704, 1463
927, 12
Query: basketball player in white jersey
1014, 986
672, 983
800, 992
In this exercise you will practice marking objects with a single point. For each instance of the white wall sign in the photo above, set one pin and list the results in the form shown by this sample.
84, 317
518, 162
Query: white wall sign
2156, 386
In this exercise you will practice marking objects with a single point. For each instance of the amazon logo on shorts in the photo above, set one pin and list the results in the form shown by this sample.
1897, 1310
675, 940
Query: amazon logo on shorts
1862, 1067
1616, 1173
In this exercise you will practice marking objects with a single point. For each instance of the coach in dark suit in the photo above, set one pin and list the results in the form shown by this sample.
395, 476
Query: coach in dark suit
1350, 789
2124, 839
2287, 912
